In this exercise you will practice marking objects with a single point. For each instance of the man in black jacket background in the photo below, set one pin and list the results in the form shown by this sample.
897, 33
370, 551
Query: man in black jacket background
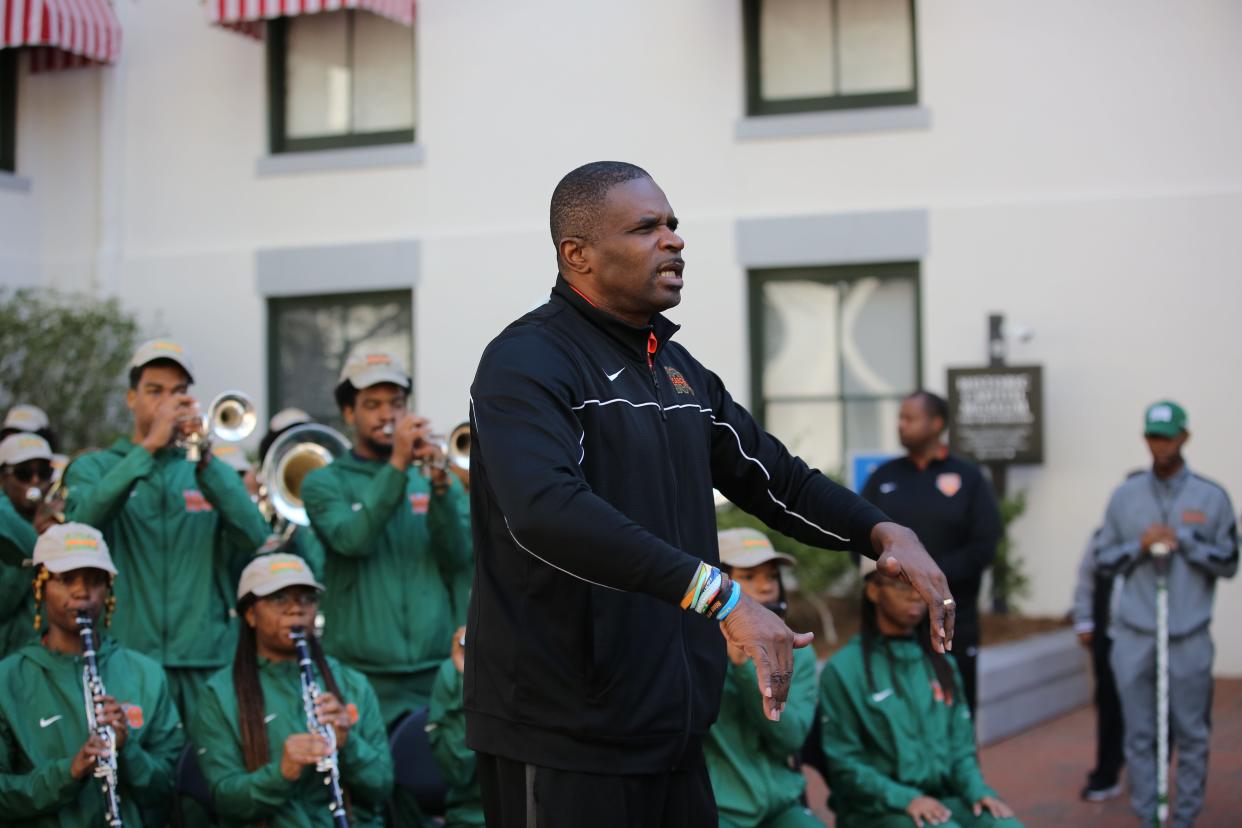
949, 504
596, 661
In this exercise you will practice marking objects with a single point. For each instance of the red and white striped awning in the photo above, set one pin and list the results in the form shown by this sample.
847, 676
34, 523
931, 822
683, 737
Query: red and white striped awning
248, 16
62, 33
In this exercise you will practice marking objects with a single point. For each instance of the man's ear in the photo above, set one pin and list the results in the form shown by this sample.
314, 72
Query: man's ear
131, 398
348, 413
250, 622
575, 255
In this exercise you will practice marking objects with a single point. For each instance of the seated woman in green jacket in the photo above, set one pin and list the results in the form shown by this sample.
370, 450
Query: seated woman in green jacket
48, 755
446, 730
897, 733
251, 730
750, 758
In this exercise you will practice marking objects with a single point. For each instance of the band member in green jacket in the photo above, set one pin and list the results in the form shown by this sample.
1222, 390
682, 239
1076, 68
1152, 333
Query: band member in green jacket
750, 757
251, 731
897, 732
395, 539
446, 730
179, 526
47, 754
25, 475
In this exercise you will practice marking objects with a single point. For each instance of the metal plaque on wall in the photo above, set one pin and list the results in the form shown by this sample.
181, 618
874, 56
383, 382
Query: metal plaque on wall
996, 415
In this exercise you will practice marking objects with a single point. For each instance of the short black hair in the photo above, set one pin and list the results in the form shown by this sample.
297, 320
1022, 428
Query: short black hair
346, 395
933, 404
578, 198
265, 445
135, 374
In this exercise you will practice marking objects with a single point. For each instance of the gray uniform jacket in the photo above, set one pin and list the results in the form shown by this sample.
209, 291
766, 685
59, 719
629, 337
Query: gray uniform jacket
1207, 548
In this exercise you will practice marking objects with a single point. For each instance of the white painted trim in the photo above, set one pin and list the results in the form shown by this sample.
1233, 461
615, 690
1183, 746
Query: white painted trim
335, 160
14, 183
845, 121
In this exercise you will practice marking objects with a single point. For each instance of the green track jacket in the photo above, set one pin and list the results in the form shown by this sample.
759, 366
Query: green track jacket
901, 740
241, 797
43, 726
446, 730
748, 756
17, 540
174, 534
393, 550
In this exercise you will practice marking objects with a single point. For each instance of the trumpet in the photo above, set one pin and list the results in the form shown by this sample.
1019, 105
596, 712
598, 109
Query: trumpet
454, 448
231, 417
295, 454
53, 500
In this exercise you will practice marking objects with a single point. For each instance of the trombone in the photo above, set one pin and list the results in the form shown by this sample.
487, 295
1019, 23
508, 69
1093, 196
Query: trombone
231, 417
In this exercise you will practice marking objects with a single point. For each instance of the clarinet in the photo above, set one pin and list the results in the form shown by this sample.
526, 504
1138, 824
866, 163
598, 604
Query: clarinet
329, 766
92, 686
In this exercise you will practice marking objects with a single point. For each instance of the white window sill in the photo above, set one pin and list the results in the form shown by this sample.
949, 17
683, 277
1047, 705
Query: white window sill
16, 183
871, 119
352, 158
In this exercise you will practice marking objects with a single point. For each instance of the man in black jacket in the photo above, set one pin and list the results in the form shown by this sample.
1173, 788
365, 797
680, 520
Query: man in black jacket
596, 660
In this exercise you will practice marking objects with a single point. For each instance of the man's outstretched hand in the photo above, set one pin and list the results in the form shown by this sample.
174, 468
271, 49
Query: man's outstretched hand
763, 636
902, 556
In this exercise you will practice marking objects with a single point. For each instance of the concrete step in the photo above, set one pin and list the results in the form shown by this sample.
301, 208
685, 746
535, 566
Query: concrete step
1023, 683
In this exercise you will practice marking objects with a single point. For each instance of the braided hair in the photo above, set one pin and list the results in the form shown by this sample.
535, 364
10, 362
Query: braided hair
250, 705
872, 639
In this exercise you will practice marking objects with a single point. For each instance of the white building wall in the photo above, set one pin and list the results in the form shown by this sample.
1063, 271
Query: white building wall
1081, 174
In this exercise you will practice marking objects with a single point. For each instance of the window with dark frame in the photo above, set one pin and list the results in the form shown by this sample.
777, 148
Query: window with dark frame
310, 337
834, 350
8, 110
814, 55
340, 79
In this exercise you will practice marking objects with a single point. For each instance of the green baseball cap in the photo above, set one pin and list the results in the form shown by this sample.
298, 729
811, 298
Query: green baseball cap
1164, 419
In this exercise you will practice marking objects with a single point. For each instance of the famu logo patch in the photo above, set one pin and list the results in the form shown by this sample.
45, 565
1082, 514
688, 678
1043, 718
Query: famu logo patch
195, 501
679, 382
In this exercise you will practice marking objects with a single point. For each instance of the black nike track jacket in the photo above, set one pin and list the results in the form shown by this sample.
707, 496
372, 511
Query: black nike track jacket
596, 447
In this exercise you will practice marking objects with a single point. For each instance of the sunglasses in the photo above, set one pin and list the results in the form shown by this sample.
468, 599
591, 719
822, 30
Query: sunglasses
25, 473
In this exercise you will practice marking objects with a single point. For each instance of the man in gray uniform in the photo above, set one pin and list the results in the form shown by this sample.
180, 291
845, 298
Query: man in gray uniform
1192, 516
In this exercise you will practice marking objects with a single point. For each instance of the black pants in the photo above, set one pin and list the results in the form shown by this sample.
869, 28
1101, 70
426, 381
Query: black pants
517, 795
1109, 731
